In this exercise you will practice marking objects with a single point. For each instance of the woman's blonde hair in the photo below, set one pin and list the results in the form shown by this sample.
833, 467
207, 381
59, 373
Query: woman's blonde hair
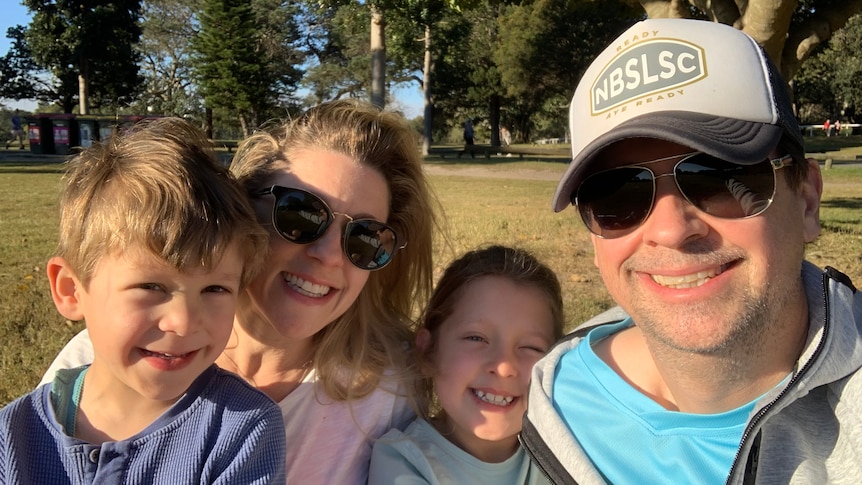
374, 335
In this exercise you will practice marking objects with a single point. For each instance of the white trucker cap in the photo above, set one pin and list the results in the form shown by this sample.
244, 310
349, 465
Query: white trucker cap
697, 83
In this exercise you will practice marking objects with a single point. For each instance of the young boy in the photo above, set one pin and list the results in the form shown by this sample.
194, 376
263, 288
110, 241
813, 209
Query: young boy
156, 244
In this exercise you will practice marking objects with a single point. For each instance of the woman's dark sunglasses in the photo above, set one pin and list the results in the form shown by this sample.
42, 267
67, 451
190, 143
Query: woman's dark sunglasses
302, 217
615, 202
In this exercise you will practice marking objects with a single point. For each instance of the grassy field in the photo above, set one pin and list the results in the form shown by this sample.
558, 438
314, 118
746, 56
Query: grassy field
500, 200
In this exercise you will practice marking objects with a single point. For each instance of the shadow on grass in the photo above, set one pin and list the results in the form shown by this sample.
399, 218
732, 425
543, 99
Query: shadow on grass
30, 169
449, 156
852, 203
846, 225
841, 227
832, 143
41, 166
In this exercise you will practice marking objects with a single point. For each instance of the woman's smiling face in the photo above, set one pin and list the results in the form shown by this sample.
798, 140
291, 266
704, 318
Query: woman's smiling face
304, 287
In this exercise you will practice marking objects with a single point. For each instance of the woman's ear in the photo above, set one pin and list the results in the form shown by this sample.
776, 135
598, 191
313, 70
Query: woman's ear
423, 345
65, 286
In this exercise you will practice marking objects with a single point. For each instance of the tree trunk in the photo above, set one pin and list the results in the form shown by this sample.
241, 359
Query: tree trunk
208, 122
378, 57
83, 88
426, 91
243, 123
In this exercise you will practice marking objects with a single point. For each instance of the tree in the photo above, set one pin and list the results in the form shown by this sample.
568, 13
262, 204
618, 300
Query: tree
17, 69
412, 44
336, 40
167, 28
789, 30
451, 66
544, 49
845, 52
243, 59
812, 87
827, 85
378, 55
92, 40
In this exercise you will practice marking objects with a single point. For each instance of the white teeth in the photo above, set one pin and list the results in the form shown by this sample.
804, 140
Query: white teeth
493, 398
687, 281
163, 355
306, 288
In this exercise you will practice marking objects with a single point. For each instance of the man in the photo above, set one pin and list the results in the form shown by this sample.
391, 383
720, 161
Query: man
468, 138
739, 361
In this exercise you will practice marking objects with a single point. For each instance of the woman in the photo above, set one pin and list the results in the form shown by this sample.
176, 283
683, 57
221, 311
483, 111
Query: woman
323, 328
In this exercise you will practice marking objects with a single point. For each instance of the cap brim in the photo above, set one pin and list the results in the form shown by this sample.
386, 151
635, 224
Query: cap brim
743, 142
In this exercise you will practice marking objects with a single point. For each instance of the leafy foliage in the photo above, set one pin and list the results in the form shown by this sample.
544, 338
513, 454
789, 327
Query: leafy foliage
242, 62
545, 47
845, 48
339, 50
92, 40
167, 27
828, 85
14, 66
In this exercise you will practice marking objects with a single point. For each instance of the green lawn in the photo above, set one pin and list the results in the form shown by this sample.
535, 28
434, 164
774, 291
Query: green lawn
477, 210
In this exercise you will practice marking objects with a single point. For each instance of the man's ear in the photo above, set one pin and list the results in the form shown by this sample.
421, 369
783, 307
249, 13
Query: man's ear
811, 191
65, 286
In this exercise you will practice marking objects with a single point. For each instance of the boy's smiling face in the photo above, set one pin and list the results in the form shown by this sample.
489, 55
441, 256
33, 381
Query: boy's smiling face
155, 329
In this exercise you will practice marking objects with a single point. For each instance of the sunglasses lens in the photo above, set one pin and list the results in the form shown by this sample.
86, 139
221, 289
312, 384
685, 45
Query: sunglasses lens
725, 189
300, 217
614, 202
369, 244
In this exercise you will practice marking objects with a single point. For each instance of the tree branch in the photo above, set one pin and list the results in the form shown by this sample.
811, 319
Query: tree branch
819, 28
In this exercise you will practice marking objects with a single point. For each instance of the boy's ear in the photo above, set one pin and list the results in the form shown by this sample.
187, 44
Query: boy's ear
64, 288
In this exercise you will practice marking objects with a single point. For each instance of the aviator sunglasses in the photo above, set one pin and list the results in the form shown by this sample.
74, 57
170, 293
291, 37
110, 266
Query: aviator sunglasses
614, 202
302, 218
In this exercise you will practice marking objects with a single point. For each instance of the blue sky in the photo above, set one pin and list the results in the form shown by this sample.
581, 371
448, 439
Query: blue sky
14, 13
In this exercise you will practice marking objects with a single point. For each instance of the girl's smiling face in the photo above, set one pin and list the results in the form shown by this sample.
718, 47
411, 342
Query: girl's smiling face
484, 353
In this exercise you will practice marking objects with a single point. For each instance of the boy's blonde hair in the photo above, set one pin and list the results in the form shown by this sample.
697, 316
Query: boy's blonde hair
353, 352
158, 186
514, 264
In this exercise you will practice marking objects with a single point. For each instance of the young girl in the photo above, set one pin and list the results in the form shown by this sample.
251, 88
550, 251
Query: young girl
493, 314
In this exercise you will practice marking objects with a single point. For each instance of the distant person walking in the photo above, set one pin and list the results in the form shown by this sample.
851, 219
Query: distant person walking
17, 131
837, 127
506, 138
468, 138
827, 127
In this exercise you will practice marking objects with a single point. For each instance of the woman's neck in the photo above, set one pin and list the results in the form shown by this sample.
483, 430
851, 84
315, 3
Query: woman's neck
276, 371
